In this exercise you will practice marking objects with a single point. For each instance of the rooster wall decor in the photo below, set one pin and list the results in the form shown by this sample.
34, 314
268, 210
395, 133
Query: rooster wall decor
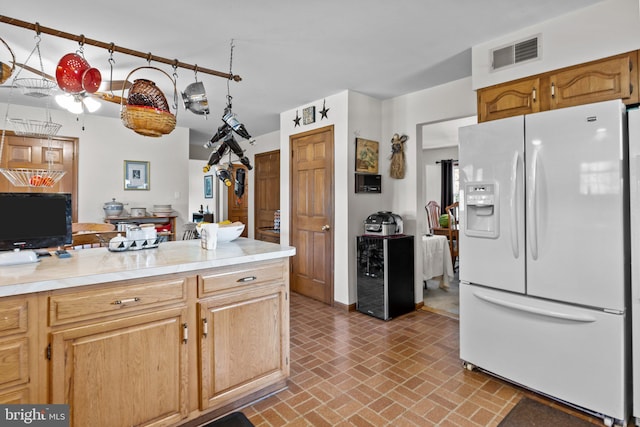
397, 156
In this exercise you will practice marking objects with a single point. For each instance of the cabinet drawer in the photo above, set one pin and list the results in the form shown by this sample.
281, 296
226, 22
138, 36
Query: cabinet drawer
13, 315
90, 304
240, 275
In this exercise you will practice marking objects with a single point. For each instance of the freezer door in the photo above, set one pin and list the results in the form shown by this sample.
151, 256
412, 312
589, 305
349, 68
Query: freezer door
575, 205
574, 354
491, 162
634, 190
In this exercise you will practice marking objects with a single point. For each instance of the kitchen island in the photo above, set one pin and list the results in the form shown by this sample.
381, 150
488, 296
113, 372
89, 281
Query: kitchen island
158, 337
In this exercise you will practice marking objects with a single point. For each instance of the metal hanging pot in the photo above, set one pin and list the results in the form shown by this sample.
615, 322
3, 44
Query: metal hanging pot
195, 99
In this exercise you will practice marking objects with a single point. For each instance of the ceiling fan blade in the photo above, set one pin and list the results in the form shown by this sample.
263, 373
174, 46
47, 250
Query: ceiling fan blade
36, 71
105, 96
114, 85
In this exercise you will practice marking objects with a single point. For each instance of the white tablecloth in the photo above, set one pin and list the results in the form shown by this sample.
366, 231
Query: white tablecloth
436, 259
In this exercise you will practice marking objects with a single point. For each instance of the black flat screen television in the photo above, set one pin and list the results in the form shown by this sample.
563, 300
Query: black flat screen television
35, 220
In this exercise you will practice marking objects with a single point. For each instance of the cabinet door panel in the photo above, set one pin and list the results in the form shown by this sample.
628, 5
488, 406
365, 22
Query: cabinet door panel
246, 343
510, 99
611, 78
125, 372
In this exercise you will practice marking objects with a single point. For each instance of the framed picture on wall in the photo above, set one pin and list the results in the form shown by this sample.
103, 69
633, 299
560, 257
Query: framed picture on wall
208, 186
136, 175
366, 156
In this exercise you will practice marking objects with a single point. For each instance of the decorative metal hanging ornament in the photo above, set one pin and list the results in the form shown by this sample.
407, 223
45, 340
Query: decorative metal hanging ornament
296, 121
324, 111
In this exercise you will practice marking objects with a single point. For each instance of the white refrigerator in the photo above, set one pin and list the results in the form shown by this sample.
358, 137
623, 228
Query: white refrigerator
544, 258
634, 181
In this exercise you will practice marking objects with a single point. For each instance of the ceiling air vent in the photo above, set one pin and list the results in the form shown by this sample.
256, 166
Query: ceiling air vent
515, 53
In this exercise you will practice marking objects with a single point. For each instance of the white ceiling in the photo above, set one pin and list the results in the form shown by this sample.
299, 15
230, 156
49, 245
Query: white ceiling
288, 53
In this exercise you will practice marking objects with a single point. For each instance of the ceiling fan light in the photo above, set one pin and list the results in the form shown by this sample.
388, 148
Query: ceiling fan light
64, 100
75, 107
91, 104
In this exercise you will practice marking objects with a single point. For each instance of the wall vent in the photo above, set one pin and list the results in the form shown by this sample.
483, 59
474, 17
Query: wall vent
515, 53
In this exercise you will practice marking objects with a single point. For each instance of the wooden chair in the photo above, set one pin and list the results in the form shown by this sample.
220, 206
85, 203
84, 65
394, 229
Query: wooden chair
452, 211
87, 234
433, 215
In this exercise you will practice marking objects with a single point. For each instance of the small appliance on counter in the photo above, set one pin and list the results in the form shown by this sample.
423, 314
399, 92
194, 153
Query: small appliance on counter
383, 223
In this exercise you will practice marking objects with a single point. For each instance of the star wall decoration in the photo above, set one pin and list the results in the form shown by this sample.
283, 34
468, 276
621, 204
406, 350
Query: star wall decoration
296, 121
324, 111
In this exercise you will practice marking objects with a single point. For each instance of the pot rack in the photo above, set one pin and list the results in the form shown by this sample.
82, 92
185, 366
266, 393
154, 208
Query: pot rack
111, 47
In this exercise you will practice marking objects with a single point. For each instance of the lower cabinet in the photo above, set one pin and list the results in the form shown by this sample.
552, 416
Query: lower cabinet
123, 372
244, 343
159, 351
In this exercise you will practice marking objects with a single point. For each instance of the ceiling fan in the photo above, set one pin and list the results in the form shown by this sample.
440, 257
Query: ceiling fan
77, 102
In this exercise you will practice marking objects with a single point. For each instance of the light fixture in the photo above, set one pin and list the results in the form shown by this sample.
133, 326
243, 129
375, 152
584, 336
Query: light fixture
77, 103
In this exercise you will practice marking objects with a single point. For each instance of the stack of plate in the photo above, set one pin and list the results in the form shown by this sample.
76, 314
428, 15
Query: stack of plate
162, 210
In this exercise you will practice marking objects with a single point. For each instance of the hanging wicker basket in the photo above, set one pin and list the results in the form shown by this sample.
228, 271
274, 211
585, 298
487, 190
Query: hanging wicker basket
148, 121
5, 69
147, 111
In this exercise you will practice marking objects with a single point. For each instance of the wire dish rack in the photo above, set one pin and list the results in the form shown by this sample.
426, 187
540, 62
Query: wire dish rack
37, 88
37, 128
23, 177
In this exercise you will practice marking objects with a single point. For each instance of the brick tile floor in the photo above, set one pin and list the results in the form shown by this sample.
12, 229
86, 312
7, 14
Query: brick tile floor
350, 369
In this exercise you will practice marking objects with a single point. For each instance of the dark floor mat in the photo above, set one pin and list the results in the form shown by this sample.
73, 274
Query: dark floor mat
529, 412
235, 419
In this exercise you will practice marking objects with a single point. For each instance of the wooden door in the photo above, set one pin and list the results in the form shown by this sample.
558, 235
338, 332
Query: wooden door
123, 372
267, 189
237, 207
312, 213
61, 153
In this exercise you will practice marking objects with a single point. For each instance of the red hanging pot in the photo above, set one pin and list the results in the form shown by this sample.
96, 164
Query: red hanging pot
74, 74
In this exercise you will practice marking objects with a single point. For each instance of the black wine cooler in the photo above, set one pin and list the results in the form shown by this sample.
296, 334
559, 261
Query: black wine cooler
385, 278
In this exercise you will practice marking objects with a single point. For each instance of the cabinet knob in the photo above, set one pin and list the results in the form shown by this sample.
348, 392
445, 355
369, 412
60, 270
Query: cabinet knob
326, 227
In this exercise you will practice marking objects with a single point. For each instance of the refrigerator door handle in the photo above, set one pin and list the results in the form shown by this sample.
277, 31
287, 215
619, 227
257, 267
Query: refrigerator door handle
532, 215
513, 208
535, 310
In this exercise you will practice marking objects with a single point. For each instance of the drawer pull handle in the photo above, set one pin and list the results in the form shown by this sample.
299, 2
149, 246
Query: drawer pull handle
247, 279
125, 301
205, 328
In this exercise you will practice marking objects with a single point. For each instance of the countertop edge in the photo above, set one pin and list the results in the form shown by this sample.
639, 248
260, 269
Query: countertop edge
69, 273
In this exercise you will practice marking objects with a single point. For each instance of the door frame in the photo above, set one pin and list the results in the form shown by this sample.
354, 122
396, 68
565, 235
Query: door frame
331, 263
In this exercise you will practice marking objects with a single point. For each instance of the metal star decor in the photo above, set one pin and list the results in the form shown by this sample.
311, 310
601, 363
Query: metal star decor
324, 111
296, 121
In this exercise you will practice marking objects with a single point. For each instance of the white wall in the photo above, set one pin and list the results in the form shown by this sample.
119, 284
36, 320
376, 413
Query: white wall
103, 146
406, 115
365, 121
591, 33
337, 116
356, 115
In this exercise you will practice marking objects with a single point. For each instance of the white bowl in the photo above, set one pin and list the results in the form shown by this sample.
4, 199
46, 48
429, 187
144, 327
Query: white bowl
229, 233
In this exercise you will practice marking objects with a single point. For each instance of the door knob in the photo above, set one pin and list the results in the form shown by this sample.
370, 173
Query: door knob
326, 227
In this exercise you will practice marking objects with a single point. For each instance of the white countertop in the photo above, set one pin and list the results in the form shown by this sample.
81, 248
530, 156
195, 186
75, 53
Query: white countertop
99, 265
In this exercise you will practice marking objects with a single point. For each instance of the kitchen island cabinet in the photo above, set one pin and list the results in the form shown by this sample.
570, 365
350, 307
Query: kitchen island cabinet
244, 341
156, 337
